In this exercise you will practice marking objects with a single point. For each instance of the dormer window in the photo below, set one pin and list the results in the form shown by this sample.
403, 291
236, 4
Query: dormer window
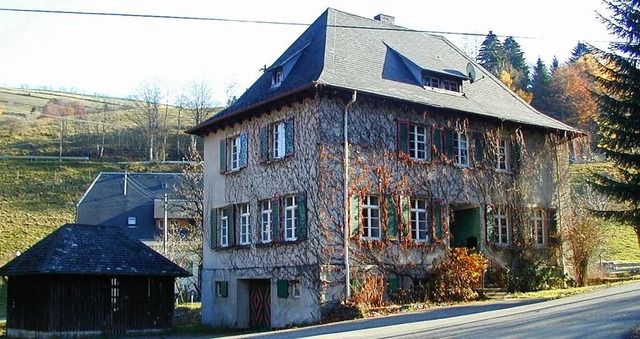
277, 75
437, 80
132, 221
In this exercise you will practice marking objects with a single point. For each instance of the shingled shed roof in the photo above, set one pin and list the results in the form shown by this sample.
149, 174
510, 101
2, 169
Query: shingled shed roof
91, 250
348, 52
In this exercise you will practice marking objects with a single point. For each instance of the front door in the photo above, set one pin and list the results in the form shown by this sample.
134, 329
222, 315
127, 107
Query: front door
260, 304
465, 228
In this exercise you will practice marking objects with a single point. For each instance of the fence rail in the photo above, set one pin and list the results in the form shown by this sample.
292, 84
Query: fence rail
42, 157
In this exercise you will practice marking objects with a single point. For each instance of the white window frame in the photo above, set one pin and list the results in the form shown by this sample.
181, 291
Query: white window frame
234, 153
371, 218
224, 229
502, 155
501, 225
266, 223
419, 220
461, 149
418, 145
290, 217
295, 288
538, 226
431, 81
132, 221
450, 85
279, 140
277, 77
245, 224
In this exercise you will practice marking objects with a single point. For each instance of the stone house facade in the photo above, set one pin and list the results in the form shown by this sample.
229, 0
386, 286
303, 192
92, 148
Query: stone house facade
368, 147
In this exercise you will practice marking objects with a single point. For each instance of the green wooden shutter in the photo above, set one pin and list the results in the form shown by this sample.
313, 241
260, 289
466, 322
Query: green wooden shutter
479, 147
224, 288
552, 220
264, 144
392, 218
275, 219
289, 147
223, 155
403, 137
526, 228
515, 156
243, 150
448, 143
405, 207
213, 223
489, 224
437, 143
437, 219
393, 285
354, 215
283, 288
302, 216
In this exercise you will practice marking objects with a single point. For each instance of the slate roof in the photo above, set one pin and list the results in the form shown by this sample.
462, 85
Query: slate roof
349, 52
91, 250
104, 202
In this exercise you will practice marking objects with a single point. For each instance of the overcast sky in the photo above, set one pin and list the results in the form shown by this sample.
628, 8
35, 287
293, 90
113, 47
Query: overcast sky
112, 55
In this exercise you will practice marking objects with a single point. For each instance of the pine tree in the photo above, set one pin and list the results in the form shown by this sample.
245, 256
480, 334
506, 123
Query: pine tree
515, 57
541, 87
492, 54
580, 50
619, 118
555, 64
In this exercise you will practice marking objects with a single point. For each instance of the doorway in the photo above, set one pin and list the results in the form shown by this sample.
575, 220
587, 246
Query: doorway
260, 303
465, 227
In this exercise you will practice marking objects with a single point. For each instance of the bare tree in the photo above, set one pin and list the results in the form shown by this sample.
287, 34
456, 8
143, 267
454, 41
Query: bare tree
199, 102
149, 116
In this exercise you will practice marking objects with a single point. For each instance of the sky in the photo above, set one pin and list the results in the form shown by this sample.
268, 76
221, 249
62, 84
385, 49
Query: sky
114, 55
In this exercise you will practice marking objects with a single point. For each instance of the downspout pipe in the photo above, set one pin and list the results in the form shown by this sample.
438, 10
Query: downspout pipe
345, 197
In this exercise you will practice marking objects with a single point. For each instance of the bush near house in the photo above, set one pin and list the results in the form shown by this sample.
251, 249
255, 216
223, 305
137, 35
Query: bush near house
456, 276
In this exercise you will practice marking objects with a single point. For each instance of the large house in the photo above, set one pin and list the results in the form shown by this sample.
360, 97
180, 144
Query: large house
369, 148
135, 202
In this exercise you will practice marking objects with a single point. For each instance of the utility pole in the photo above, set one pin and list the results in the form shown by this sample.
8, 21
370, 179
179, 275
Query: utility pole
166, 204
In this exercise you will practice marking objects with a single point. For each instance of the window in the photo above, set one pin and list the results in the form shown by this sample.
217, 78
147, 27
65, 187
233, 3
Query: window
295, 288
430, 81
371, 217
502, 155
501, 225
132, 221
233, 153
245, 228
276, 141
537, 226
418, 142
461, 149
290, 218
265, 225
419, 224
450, 85
224, 229
277, 75
222, 289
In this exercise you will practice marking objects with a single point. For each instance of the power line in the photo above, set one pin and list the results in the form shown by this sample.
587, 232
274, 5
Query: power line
266, 22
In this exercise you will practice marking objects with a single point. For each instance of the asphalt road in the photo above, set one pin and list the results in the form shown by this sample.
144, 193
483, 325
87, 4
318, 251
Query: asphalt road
609, 312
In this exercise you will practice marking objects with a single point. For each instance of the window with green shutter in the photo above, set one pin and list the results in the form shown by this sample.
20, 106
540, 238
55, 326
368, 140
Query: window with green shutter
392, 218
289, 137
479, 148
437, 143
275, 219
516, 156
222, 289
553, 236
438, 207
489, 224
403, 137
393, 284
302, 216
264, 144
243, 150
449, 143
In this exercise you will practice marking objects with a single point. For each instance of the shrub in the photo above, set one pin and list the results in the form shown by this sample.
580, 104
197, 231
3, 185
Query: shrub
528, 274
368, 289
456, 275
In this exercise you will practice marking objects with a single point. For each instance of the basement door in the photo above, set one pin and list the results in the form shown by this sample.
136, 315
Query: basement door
260, 303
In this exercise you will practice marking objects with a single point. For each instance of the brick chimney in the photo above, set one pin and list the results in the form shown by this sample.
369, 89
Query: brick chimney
387, 19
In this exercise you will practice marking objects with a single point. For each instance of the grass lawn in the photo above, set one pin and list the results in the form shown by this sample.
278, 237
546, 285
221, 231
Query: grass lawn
622, 245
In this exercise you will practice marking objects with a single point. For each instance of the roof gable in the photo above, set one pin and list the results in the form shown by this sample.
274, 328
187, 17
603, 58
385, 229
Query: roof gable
91, 250
350, 52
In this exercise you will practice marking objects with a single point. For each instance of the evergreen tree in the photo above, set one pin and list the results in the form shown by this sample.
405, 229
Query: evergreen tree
492, 54
578, 51
515, 57
554, 65
541, 87
619, 117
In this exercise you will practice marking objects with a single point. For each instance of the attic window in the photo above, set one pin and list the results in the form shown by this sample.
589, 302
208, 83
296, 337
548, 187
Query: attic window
164, 185
277, 75
441, 81
132, 221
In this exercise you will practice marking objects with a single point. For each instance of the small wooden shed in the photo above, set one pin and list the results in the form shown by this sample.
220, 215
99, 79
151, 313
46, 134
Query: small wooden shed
86, 280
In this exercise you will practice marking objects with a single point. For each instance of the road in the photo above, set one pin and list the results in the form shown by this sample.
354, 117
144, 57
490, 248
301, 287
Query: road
609, 312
